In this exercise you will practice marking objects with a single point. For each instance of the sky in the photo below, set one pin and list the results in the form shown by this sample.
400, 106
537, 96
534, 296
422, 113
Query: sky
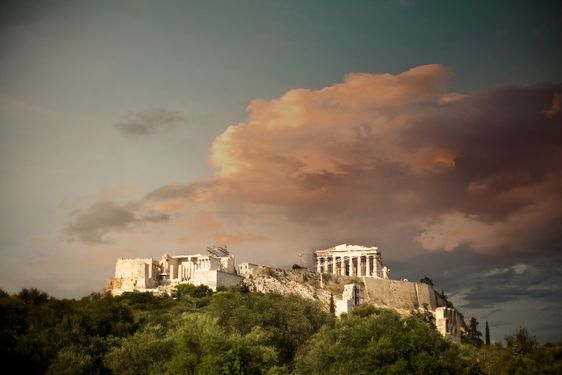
431, 129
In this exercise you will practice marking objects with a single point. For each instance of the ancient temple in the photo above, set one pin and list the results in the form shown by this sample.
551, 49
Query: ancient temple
351, 260
215, 269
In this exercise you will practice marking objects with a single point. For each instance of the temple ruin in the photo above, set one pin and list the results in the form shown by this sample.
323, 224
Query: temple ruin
351, 260
215, 269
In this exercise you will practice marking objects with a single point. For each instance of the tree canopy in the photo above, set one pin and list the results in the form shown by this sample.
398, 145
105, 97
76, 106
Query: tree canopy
198, 331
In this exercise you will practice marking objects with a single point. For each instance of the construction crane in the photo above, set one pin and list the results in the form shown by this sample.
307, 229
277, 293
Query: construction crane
218, 251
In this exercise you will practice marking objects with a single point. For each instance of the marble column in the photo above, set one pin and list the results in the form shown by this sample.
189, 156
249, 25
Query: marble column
360, 266
369, 264
318, 264
339, 265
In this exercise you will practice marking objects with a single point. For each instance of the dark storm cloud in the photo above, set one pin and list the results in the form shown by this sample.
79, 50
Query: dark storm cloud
150, 121
482, 282
94, 224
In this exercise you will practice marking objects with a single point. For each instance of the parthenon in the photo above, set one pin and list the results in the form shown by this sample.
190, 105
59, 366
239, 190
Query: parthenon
351, 260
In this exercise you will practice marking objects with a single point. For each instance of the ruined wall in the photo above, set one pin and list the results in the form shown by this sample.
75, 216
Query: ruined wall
449, 322
139, 273
215, 279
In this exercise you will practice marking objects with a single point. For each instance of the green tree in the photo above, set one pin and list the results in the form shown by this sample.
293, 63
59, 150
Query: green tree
487, 334
73, 361
520, 342
332, 307
364, 310
426, 280
190, 290
203, 347
383, 343
495, 359
146, 352
291, 320
472, 336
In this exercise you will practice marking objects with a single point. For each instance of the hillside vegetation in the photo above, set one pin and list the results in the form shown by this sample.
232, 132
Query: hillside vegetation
236, 331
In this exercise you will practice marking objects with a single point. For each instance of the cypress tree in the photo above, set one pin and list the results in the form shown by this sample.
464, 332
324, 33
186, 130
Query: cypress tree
332, 305
487, 334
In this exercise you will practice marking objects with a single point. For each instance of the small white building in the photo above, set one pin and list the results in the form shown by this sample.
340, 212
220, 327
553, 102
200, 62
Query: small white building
350, 299
351, 260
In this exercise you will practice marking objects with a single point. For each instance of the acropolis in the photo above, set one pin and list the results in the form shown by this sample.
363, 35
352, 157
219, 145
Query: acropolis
352, 274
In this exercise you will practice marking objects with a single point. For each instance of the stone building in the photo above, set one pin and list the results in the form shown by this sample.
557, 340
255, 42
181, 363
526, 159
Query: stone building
350, 298
215, 269
449, 322
351, 260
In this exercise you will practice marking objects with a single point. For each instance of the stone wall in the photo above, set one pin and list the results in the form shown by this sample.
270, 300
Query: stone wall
449, 322
140, 273
406, 296
215, 279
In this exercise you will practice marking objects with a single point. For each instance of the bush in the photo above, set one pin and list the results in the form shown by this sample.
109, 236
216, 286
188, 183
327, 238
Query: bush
382, 343
189, 290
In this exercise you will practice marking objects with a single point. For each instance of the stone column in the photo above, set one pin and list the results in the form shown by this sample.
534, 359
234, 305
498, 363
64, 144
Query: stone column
369, 263
340, 264
333, 264
351, 273
360, 266
318, 265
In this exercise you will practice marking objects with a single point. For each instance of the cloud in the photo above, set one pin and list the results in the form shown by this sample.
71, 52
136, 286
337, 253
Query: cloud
395, 159
150, 121
381, 150
96, 223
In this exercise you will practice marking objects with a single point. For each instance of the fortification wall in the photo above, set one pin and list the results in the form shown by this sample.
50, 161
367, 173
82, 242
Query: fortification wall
397, 294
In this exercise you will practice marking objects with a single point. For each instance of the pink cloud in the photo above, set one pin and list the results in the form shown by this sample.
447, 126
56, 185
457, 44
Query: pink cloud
396, 159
